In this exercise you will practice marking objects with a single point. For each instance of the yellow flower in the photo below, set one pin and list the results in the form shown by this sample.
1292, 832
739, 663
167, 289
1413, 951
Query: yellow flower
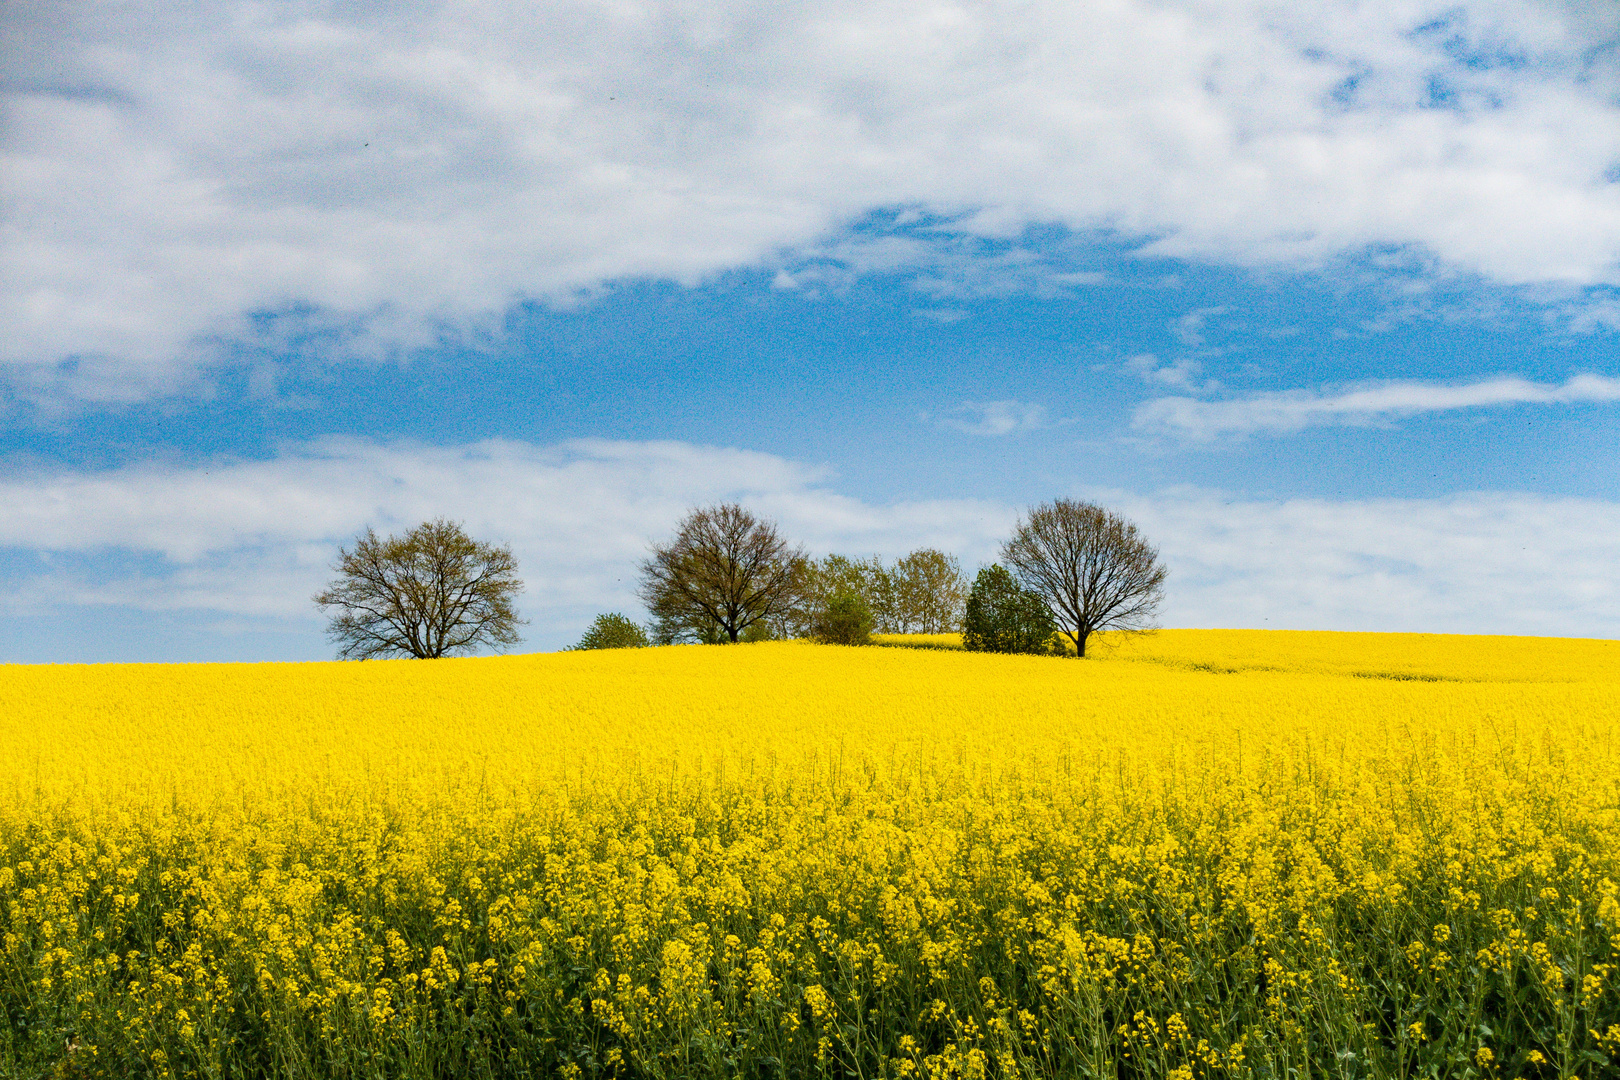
925, 862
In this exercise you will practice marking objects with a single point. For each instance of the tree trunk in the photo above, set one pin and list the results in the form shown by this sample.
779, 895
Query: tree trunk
1080, 644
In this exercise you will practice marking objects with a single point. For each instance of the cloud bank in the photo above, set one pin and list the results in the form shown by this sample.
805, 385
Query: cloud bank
395, 172
254, 540
1477, 563
1295, 410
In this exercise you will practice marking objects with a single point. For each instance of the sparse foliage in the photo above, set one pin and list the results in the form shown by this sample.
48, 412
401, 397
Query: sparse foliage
724, 571
930, 593
614, 631
843, 619
1091, 566
433, 592
923, 593
1004, 617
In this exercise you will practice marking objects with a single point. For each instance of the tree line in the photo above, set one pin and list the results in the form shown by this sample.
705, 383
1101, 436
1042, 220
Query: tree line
1069, 571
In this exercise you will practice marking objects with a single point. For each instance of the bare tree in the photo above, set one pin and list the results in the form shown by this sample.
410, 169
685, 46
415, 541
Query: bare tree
433, 592
724, 571
1091, 566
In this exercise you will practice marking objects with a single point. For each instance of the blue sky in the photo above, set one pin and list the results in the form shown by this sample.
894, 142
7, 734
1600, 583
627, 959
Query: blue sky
1326, 301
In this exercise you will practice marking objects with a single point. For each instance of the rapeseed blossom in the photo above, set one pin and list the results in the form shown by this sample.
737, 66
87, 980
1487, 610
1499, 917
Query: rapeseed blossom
1199, 854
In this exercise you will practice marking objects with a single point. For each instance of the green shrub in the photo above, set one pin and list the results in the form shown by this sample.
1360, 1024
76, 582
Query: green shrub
613, 631
1001, 617
843, 619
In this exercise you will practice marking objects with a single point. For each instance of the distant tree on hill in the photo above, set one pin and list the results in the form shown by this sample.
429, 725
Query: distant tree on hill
724, 571
433, 592
1003, 617
613, 631
1093, 568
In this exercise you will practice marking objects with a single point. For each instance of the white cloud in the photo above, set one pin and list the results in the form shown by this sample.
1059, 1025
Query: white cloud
994, 418
1294, 410
1475, 563
944, 316
1181, 374
249, 543
1189, 329
258, 538
405, 167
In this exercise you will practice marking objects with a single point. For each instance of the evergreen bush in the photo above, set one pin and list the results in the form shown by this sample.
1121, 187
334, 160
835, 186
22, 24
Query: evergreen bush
1002, 617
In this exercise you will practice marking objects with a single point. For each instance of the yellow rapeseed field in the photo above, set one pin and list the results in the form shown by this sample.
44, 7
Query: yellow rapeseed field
1196, 854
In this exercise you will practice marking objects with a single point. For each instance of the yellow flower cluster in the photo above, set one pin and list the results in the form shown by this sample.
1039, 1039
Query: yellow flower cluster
1197, 854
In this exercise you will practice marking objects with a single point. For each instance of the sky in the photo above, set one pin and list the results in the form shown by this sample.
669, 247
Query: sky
1325, 297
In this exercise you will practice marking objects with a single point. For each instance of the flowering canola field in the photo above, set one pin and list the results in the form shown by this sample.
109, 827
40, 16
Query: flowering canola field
1199, 854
